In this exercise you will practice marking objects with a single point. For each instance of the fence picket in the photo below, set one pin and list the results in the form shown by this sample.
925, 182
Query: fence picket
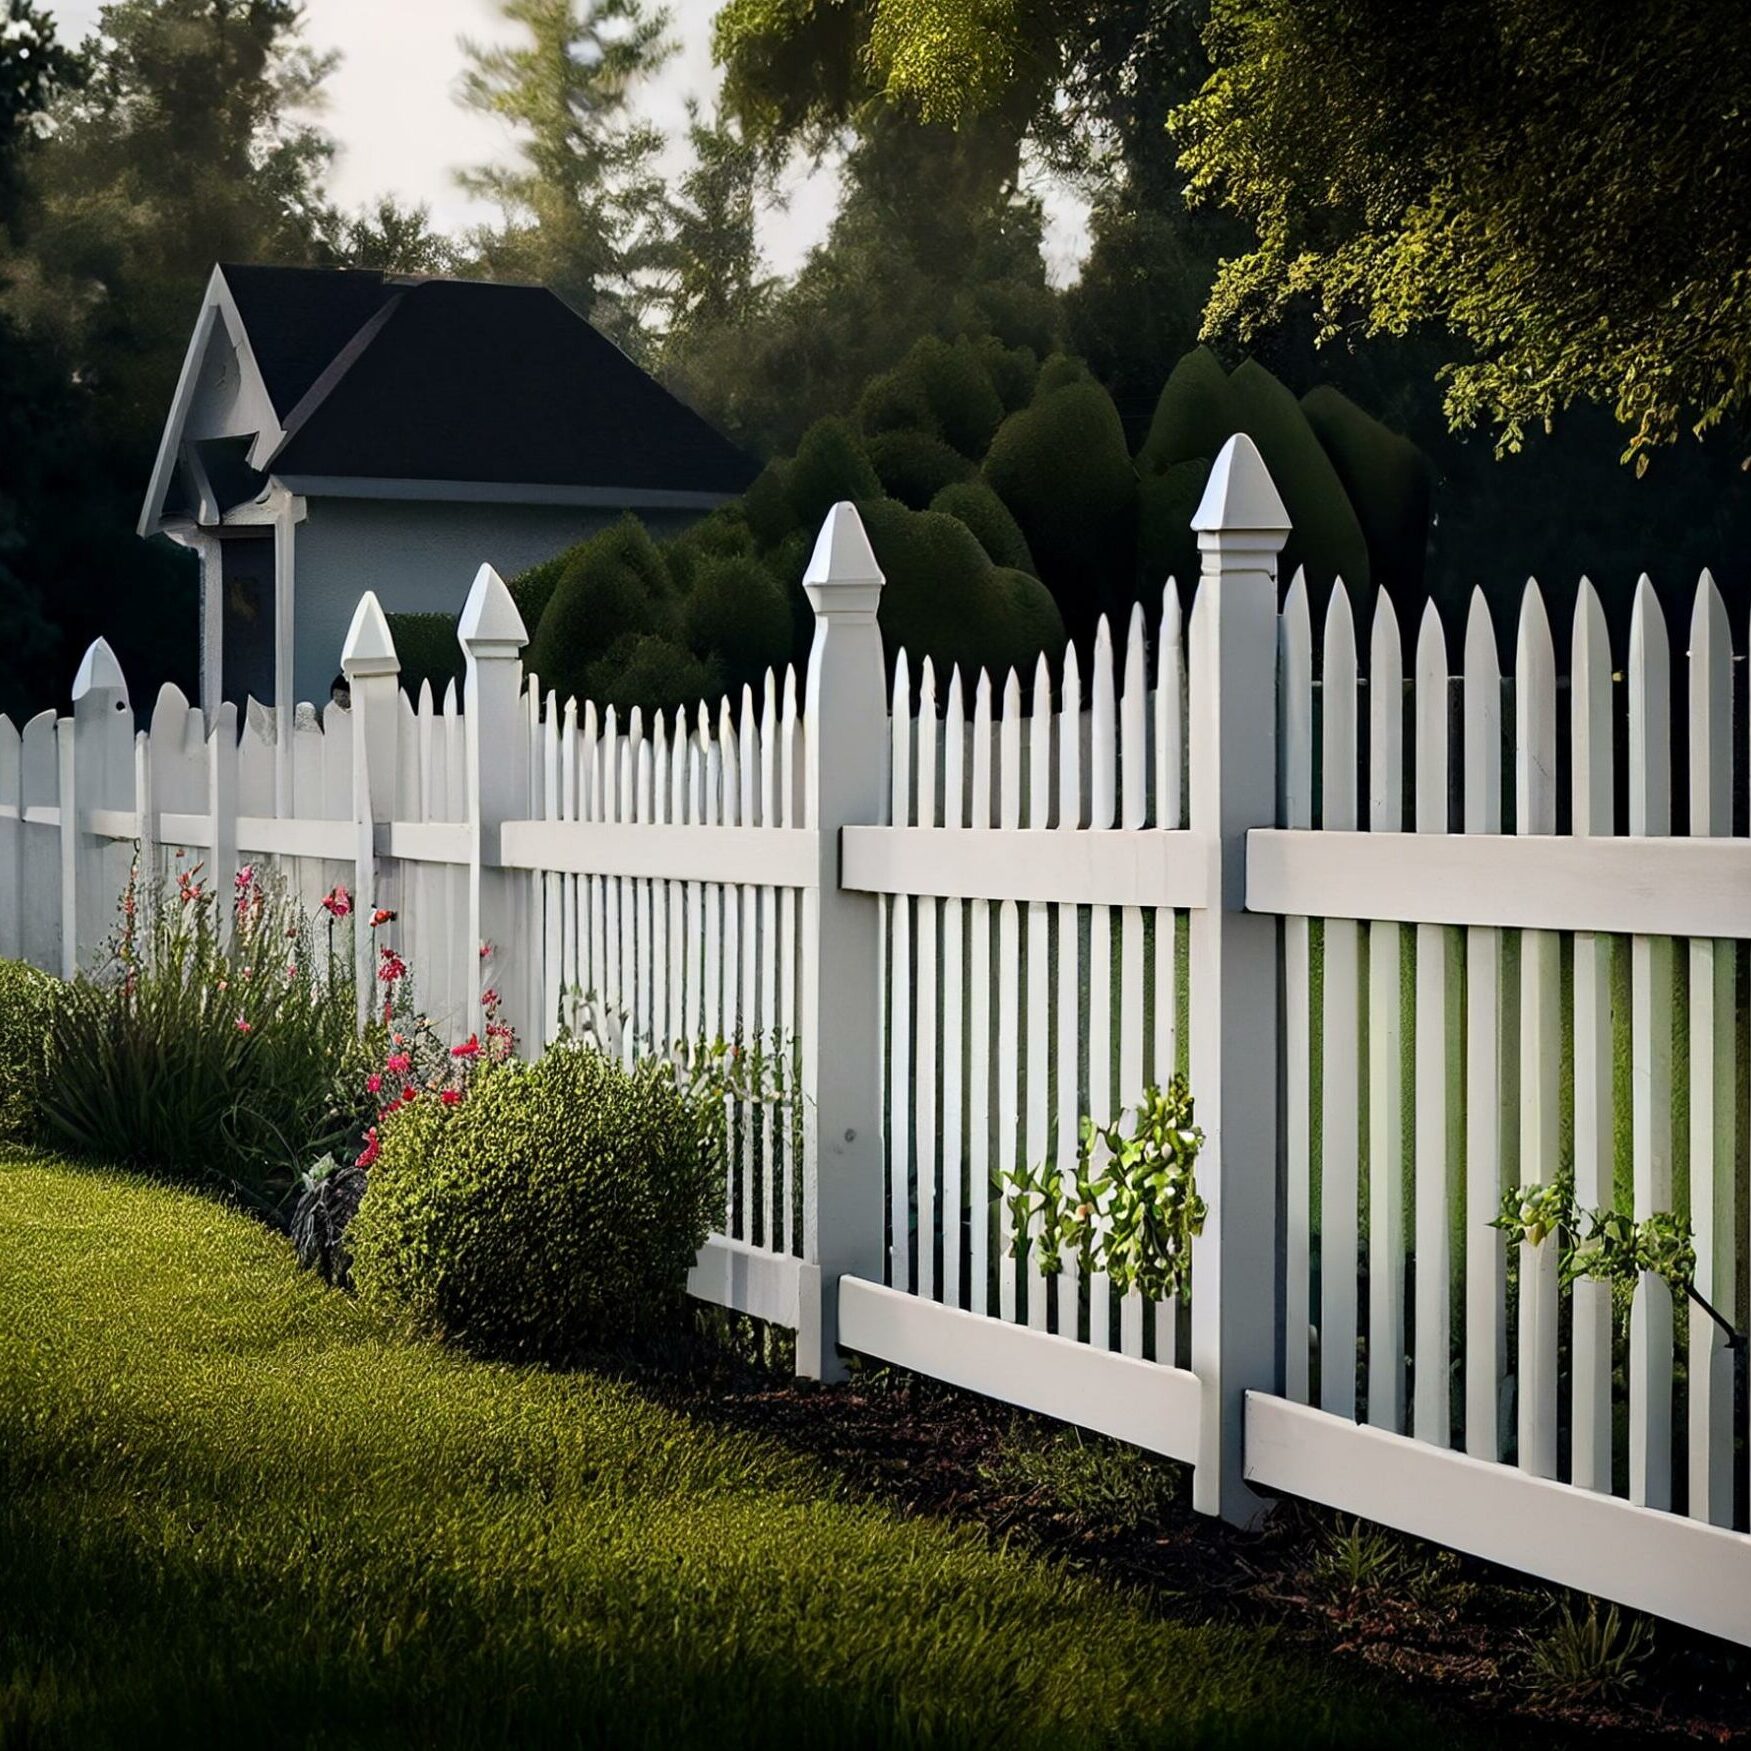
1340, 1028
1386, 1260
979, 1155
899, 983
1295, 809
790, 800
954, 755
925, 976
1712, 1074
1485, 1256
1037, 1066
1590, 813
1102, 816
1133, 817
1069, 1028
1535, 792
1651, 969
1009, 1267
1169, 755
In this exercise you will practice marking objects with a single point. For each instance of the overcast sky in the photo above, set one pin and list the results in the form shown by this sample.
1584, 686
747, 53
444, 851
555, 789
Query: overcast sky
393, 110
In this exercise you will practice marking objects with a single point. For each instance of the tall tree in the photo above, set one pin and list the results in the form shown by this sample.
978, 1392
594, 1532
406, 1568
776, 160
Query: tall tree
715, 276
583, 209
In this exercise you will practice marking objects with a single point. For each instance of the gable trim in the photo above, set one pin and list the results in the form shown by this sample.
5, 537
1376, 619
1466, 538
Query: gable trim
630, 498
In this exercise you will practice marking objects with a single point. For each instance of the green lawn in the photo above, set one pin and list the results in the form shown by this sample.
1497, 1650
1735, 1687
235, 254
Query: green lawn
234, 1509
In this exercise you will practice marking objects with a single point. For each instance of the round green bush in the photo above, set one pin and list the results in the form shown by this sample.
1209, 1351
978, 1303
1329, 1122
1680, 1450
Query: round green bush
555, 1211
1387, 479
616, 587
738, 617
722, 535
1029, 624
914, 467
651, 672
766, 505
1060, 371
27, 1004
894, 401
976, 505
1166, 546
1013, 371
533, 589
830, 464
1194, 415
1063, 469
430, 652
958, 388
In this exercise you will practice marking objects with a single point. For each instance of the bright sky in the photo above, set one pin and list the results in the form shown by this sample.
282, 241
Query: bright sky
392, 108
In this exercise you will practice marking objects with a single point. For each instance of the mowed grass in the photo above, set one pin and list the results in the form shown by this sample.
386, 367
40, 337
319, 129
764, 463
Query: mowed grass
234, 1509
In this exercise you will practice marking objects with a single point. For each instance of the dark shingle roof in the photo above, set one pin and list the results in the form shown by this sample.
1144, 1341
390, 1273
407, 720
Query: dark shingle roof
382, 378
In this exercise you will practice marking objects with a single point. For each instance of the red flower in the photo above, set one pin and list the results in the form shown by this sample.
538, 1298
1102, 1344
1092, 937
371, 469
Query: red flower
373, 1084
337, 902
485, 950
371, 1150
489, 998
382, 916
470, 1048
242, 1025
398, 1063
450, 1096
391, 967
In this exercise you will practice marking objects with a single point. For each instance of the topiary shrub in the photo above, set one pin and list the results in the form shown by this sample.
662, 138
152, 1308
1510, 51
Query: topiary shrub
738, 618
1387, 479
945, 600
430, 652
555, 1211
766, 505
649, 671
27, 1005
1013, 371
1166, 546
617, 587
830, 465
895, 401
914, 467
1194, 415
966, 406
1062, 468
722, 535
976, 505
533, 589
1060, 371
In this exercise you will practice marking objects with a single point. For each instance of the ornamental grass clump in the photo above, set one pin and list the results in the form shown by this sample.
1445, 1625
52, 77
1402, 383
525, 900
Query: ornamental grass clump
216, 1039
553, 1212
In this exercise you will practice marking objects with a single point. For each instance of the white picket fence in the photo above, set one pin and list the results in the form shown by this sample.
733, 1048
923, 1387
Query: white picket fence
1386, 917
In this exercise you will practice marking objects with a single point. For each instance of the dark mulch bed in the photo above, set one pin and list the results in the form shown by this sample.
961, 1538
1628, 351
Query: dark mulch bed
1454, 1629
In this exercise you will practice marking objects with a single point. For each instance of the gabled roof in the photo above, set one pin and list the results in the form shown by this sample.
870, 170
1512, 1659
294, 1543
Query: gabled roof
367, 383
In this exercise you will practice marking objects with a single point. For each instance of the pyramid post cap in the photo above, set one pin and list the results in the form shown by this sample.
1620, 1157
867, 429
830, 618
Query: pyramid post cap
370, 648
842, 572
489, 616
1240, 497
98, 669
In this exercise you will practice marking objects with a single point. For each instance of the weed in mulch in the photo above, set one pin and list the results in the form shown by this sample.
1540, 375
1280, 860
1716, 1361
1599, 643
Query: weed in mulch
1485, 1639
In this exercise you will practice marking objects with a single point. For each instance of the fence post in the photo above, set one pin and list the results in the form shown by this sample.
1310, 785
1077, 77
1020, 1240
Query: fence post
845, 770
1236, 1299
102, 777
373, 670
11, 842
496, 737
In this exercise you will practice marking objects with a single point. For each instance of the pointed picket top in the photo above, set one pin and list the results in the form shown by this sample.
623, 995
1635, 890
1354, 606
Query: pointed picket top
1295, 689
842, 575
1240, 498
1711, 713
489, 616
99, 671
1650, 704
1590, 765
172, 701
1535, 777
1385, 718
1483, 721
369, 648
1338, 698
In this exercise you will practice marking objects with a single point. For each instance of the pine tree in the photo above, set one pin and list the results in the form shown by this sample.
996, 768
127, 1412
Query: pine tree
584, 208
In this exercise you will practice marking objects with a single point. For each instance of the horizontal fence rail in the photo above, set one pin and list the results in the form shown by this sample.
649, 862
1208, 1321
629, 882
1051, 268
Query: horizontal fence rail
1422, 930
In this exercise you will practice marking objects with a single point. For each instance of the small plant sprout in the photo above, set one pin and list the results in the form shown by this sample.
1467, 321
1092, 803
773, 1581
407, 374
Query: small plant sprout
1589, 1659
1608, 1245
1131, 1206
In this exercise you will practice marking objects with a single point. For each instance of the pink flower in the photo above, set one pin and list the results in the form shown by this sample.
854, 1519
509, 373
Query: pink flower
242, 1025
337, 902
371, 1150
470, 1048
485, 950
489, 998
382, 916
398, 1063
373, 1084
450, 1096
291, 971
391, 967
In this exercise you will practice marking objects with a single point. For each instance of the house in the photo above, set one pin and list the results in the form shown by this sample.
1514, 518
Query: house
335, 430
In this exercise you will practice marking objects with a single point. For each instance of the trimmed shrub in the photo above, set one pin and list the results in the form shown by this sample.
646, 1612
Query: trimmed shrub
430, 652
617, 587
976, 505
533, 589
1013, 371
27, 1004
1194, 414
958, 388
1062, 468
555, 1211
1060, 371
1166, 546
1387, 479
766, 505
649, 671
830, 465
1325, 536
914, 467
722, 535
945, 600
894, 401
738, 617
